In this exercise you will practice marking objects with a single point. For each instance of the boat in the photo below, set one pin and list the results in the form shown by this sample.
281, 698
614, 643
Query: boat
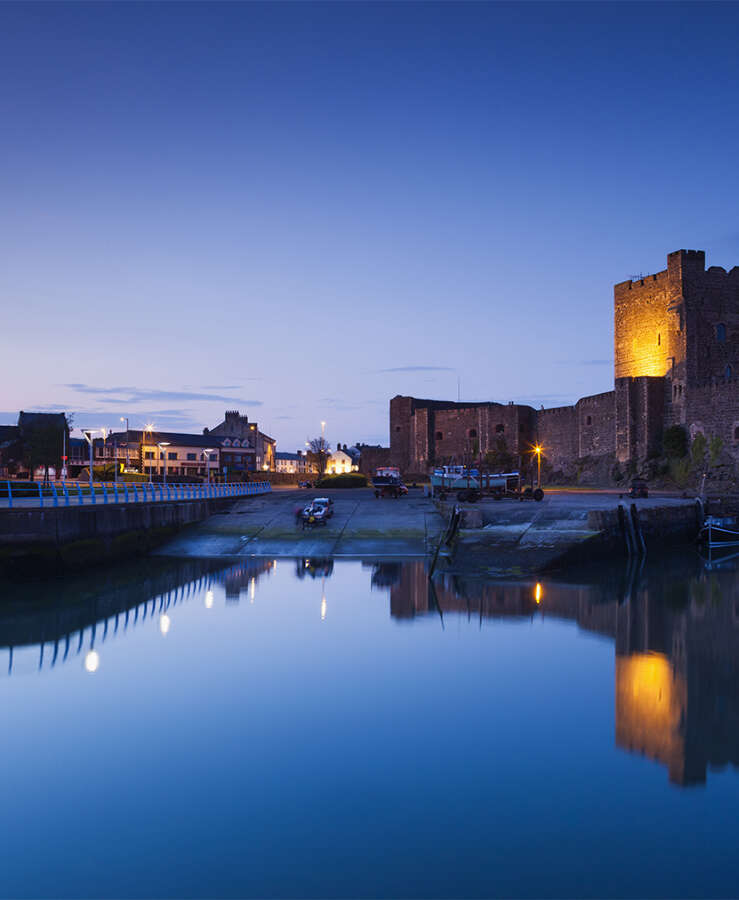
720, 531
458, 478
387, 482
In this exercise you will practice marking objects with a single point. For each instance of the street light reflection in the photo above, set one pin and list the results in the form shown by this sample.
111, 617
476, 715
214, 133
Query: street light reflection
208, 600
92, 661
165, 623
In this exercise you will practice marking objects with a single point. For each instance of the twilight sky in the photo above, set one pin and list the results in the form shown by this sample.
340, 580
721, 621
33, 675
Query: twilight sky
302, 210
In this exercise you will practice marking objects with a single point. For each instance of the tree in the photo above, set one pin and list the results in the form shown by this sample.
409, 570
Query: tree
500, 459
698, 450
675, 442
318, 452
715, 447
43, 447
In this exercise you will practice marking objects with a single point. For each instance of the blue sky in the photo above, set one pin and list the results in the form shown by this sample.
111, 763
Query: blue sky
302, 210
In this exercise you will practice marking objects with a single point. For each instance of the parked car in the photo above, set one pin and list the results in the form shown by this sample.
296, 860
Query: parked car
314, 514
639, 488
325, 502
305, 484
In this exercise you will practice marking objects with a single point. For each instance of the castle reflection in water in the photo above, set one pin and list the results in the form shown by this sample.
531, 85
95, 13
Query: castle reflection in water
676, 635
675, 629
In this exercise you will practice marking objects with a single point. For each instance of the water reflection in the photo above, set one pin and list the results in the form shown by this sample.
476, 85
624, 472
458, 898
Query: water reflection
675, 630
676, 635
88, 611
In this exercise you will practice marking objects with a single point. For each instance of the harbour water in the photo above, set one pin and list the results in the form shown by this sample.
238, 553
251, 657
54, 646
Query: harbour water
319, 727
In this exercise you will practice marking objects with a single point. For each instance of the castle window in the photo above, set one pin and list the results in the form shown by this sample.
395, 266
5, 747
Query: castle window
721, 333
397, 427
728, 372
473, 432
588, 420
659, 339
439, 435
736, 432
500, 429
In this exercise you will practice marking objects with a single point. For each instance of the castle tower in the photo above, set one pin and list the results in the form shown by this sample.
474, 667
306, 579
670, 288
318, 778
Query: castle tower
676, 332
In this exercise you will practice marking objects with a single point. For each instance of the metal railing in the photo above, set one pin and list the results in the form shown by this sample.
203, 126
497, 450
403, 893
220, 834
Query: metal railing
78, 493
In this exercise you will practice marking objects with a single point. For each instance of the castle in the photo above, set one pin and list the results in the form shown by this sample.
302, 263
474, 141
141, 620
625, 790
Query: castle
676, 363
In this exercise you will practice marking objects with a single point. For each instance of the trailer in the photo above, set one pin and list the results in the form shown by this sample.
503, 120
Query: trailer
387, 483
471, 485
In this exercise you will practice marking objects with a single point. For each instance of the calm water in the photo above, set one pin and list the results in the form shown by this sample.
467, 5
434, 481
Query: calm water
303, 728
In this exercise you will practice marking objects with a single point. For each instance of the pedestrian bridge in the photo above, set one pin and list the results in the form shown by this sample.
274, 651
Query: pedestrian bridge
15, 494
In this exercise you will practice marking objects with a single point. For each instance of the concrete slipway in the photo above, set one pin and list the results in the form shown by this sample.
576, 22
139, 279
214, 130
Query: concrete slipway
509, 537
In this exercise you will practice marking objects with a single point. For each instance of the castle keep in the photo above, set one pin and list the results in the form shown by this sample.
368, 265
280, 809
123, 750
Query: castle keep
676, 336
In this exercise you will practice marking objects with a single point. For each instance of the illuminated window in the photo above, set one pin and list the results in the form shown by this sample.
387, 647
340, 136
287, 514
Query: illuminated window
721, 333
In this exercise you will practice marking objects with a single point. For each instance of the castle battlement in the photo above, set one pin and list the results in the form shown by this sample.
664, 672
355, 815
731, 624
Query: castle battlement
676, 361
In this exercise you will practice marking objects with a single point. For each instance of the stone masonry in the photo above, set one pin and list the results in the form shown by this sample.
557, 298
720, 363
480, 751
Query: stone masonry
676, 337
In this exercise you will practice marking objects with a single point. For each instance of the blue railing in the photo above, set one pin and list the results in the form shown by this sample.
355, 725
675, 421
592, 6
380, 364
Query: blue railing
78, 493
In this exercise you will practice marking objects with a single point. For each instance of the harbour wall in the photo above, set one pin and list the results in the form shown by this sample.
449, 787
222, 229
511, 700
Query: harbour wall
69, 538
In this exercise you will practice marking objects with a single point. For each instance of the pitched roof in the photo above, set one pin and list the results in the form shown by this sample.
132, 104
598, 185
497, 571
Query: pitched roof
172, 437
31, 419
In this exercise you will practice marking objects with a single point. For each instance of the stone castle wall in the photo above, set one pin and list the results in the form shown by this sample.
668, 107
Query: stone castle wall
558, 434
676, 361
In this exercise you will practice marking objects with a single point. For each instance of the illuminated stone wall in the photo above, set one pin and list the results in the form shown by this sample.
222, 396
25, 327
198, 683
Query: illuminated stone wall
676, 361
558, 434
596, 424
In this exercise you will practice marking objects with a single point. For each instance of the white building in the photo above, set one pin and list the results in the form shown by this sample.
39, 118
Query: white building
293, 463
339, 463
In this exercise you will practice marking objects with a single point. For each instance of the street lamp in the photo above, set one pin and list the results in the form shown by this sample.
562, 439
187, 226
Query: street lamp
150, 429
88, 433
537, 450
164, 457
207, 451
125, 419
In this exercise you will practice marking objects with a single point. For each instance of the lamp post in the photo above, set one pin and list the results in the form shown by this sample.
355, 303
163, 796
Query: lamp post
88, 433
207, 452
150, 429
164, 457
537, 450
125, 419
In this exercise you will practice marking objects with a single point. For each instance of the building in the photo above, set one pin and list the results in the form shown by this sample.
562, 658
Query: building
676, 336
244, 448
233, 448
159, 453
294, 463
339, 463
